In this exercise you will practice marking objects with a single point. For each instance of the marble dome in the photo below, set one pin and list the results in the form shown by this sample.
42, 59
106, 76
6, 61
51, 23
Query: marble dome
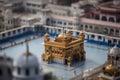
27, 59
114, 51
27, 67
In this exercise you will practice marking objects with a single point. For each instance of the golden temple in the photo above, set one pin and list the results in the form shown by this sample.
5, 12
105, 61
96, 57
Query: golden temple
64, 49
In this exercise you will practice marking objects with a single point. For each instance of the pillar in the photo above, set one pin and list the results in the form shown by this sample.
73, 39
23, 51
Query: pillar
100, 16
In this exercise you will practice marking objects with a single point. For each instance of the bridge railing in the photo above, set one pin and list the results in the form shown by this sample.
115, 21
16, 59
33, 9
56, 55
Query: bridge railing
84, 75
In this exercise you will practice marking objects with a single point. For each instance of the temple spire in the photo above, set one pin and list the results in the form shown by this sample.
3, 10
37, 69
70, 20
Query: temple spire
27, 53
27, 47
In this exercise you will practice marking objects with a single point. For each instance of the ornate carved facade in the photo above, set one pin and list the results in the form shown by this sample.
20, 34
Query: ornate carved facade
64, 49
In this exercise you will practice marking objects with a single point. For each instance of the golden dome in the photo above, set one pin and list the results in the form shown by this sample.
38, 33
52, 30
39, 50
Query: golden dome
111, 69
114, 51
61, 35
69, 33
46, 35
81, 32
27, 53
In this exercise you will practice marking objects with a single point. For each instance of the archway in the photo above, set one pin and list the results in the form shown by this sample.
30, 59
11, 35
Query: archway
111, 19
111, 31
118, 20
48, 21
105, 31
104, 18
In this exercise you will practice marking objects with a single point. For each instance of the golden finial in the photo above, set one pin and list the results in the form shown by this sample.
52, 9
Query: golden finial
46, 37
69, 32
62, 34
27, 53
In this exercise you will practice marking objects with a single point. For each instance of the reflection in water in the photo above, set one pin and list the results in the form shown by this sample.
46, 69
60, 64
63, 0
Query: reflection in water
95, 55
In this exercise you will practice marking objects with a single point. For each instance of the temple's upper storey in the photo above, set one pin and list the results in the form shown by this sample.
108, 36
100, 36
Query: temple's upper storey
64, 49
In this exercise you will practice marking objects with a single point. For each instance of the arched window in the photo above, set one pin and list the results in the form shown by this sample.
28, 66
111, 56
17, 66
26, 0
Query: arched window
47, 29
27, 72
1, 73
91, 27
105, 31
111, 19
114, 40
92, 36
81, 27
99, 37
86, 26
104, 18
111, 31
118, 20
117, 31
47, 21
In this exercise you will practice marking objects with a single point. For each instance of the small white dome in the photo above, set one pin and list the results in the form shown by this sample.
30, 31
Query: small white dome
114, 51
27, 61
116, 2
27, 67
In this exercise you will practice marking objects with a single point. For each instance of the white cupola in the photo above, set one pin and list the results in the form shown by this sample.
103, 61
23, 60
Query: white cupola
114, 56
116, 2
27, 67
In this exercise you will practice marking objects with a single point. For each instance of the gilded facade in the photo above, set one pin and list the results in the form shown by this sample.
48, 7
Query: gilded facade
64, 49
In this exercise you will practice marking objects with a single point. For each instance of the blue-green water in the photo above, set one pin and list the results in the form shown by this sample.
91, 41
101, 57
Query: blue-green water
95, 56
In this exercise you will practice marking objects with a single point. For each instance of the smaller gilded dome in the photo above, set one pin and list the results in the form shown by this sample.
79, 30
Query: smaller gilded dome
61, 35
114, 51
81, 32
111, 69
69, 33
46, 35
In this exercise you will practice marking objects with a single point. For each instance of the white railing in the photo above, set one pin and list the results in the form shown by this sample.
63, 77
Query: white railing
84, 75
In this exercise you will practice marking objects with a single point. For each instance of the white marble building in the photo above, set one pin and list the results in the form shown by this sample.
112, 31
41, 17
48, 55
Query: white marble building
114, 56
27, 67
